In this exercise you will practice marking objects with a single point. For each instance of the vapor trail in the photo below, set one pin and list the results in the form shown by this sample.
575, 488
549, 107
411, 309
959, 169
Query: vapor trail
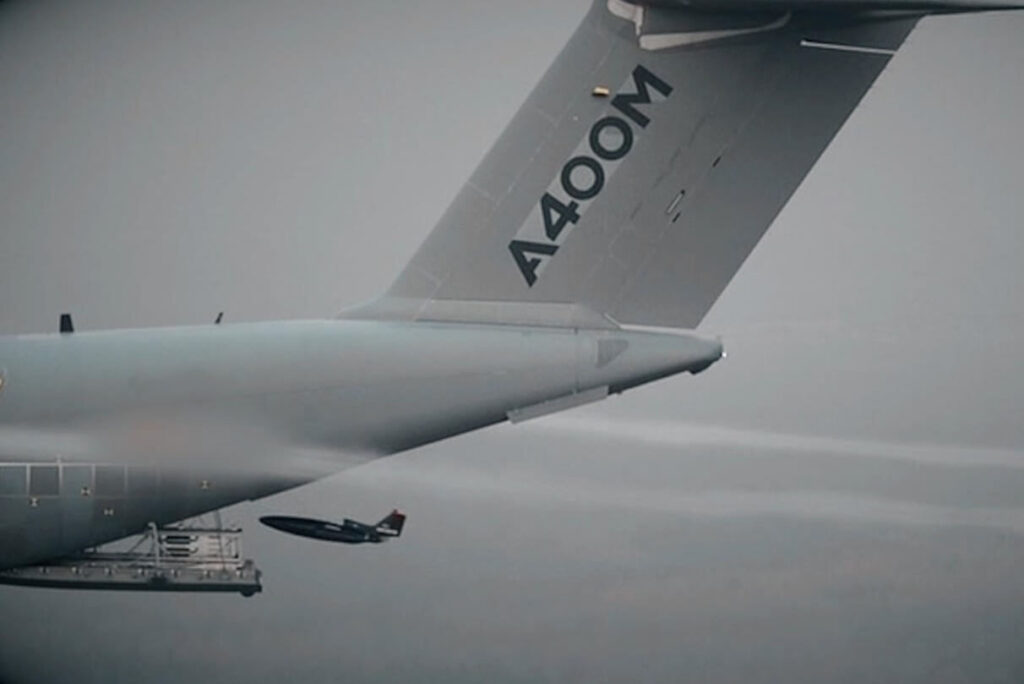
682, 435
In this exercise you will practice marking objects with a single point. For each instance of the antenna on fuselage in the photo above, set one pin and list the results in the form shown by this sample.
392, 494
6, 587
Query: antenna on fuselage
66, 325
220, 317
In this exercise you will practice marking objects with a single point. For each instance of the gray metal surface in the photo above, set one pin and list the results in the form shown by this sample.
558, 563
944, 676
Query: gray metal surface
180, 559
208, 416
746, 117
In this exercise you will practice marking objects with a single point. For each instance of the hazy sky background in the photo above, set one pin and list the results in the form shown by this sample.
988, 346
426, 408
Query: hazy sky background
842, 499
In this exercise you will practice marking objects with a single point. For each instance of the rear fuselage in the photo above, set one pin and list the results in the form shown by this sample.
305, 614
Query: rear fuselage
228, 393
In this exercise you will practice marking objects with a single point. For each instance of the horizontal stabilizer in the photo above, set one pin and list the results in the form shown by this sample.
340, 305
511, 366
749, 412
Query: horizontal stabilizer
929, 6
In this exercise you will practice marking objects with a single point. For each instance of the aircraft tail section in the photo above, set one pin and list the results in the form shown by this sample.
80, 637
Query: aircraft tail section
644, 167
392, 524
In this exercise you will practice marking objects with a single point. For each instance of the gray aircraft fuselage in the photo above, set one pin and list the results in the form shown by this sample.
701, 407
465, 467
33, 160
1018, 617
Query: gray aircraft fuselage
339, 386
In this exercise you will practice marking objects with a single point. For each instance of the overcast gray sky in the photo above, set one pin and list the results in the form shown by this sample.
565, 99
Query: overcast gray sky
841, 499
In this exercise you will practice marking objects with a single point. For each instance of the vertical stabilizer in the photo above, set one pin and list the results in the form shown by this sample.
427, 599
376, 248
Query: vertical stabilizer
645, 166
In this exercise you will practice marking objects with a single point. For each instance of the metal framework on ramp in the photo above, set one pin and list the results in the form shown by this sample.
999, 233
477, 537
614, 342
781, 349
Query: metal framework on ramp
179, 557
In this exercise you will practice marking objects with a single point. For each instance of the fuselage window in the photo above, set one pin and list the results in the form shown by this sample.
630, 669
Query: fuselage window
13, 480
44, 480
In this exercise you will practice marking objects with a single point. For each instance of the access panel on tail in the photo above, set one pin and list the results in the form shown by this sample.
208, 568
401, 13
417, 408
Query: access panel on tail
644, 167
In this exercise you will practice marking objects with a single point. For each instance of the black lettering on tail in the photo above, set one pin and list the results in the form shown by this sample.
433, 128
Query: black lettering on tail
625, 102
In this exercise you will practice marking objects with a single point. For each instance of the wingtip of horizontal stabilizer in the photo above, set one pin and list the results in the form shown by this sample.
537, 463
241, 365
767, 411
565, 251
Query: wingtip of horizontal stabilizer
746, 6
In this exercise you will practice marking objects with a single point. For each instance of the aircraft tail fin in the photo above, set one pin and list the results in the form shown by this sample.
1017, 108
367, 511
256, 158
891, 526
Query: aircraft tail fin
392, 524
645, 166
